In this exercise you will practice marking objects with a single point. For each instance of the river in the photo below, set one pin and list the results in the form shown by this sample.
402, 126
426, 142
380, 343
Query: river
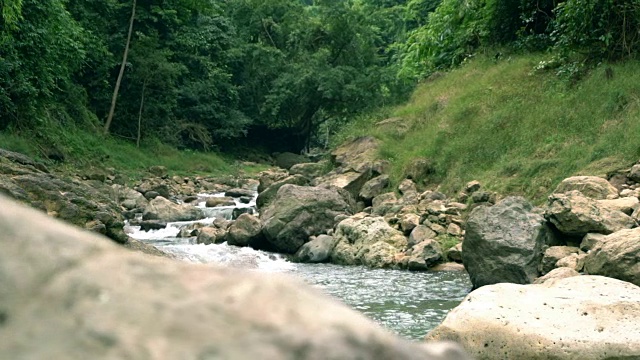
408, 303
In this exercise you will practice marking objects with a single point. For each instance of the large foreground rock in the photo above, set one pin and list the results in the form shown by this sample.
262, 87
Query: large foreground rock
298, 212
576, 215
579, 317
617, 256
68, 294
504, 243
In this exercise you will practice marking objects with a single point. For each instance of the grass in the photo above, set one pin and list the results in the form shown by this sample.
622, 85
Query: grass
515, 130
85, 149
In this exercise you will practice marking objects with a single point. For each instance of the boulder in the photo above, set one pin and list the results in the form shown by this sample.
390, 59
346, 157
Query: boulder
244, 231
298, 212
270, 192
357, 154
590, 240
634, 173
419, 170
286, 160
211, 235
310, 170
215, 201
351, 181
553, 254
579, 317
239, 192
576, 215
147, 225
617, 256
590, 186
269, 177
317, 250
408, 222
424, 255
69, 294
626, 205
168, 211
159, 171
373, 188
454, 253
573, 261
503, 243
421, 233
129, 198
365, 240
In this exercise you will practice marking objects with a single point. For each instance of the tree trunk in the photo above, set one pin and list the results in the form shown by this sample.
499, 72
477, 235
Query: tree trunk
114, 98
144, 87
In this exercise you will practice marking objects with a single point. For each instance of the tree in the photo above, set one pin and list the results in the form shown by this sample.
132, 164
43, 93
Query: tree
116, 89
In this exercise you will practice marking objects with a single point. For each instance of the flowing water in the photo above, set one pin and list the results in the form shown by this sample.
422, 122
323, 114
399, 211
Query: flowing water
408, 303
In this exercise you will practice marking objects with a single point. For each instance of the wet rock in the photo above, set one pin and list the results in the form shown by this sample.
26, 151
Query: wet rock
211, 235
317, 250
590, 186
216, 201
82, 297
165, 210
244, 231
616, 256
364, 240
503, 243
575, 215
298, 212
579, 317
147, 225
237, 192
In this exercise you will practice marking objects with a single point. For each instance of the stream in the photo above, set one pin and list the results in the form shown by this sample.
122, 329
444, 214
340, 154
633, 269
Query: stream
408, 303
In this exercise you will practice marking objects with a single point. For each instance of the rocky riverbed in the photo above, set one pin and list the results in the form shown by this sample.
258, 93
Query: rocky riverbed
344, 212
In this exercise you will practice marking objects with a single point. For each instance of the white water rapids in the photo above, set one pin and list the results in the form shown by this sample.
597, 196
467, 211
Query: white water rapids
408, 303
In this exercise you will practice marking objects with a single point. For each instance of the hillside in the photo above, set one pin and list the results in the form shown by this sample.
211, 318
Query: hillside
515, 129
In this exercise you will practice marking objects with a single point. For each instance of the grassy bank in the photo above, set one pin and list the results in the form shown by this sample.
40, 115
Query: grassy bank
516, 130
83, 149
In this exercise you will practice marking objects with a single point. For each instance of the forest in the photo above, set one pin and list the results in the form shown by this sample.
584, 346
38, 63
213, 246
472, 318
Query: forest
209, 75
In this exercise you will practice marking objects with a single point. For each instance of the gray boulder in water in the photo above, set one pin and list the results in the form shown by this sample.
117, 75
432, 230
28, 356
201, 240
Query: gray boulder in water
298, 212
70, 294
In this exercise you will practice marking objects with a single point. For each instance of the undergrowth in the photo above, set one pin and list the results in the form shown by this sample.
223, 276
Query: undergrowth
515, 129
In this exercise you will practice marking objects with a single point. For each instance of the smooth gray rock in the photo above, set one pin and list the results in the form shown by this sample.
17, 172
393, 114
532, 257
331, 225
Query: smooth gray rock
579, 317
503, 243
298, 212
70, 294
317, 250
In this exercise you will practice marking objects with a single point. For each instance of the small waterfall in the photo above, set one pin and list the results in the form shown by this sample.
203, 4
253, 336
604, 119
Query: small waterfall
187, 249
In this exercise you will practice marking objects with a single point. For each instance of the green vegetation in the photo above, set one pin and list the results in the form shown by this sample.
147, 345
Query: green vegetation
515, 129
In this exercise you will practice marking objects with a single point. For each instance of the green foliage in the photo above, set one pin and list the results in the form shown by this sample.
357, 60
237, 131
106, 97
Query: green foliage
600, 29
515, 131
